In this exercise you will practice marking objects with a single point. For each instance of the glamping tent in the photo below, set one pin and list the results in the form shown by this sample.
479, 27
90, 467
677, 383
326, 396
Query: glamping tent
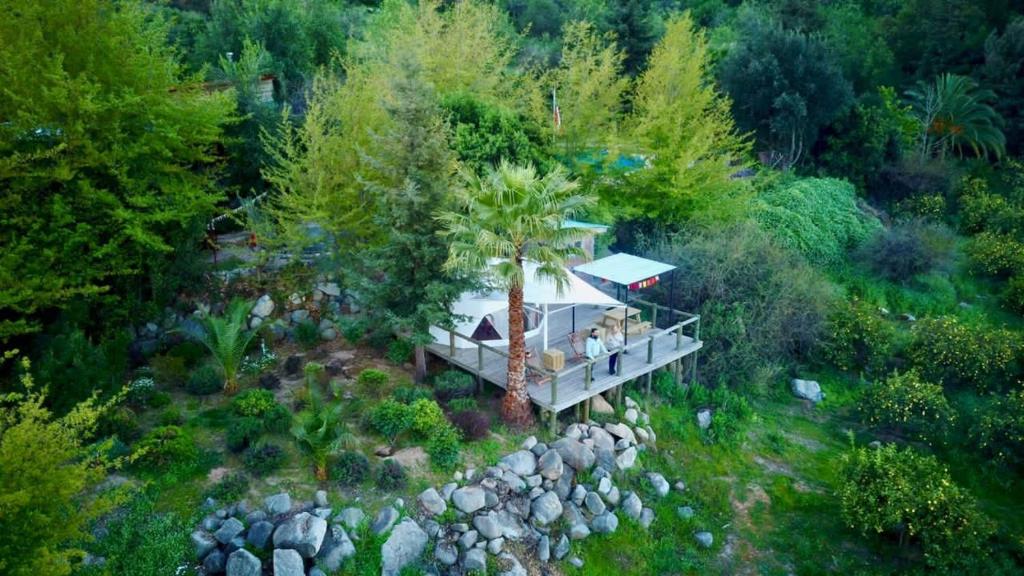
485, 314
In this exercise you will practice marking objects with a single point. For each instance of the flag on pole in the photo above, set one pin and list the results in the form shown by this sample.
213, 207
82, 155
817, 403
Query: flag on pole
556, 113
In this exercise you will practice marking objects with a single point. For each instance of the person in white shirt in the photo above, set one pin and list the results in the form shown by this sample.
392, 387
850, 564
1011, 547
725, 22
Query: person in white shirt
614, 342
595, 347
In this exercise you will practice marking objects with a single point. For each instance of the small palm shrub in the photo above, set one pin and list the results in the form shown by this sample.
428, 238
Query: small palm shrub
953, 352
262, 459
320, 429
351, 468
473, 424
242, 433
204, 381
859, 338
227, 339
165, 446
452, 384
905, 402
391, 476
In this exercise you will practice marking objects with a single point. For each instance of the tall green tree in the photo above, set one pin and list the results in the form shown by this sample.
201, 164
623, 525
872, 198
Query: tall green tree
409, 172
953, 113
514, 215
1004, 73
682, 123
107, 155
786, 86
637, 26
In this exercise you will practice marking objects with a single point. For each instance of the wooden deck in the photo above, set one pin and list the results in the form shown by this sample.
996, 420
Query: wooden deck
677, 336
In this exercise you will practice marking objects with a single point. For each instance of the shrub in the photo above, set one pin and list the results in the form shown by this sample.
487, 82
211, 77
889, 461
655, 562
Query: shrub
730, 412
981, 210
819, 217
410, 394
190, 351
165, 446
141, 541
453, 384
264, 458
911, 496
906, 402
373, 383
230, 488
473, 424
73, 368
462, 405
353, 329
227, 337
159, 399
119, 421
399, 351
261, 405
307, 334
1013, 296
928, 206
320, 429
169, 371
171, 417
427, 417
1000, 430
950, 351
665, 386
391, 419
351, 468
858, 337
391, 476
995, 254
907, 249
205, 380
443, 448
242, 433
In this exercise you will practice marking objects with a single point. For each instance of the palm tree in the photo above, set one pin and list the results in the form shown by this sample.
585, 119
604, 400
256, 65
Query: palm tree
320, 428
513, 215
955, 113
227, 338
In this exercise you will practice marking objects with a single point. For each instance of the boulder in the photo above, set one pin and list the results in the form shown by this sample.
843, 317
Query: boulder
705, 539
229, 529
329, 289
385, 519
469, 499
337, 547
278, 504
529, 443
602, 439
494, 546
510, 566
613, 496
215, 562
299, 316
550, 465
544, 548
626, 459
594, 503
259, 534
807, 389
704, 418
574, 453
659, 483
468, 540
598, 405
487, 525
243, 563
288, 563
576, 562
605, 523
521, 463
203, 543
476, 560
685, 512
646, 518
546, 508
562, 548
620, 430
303, 533
604, 485
632, 506
264, 307
446, 553
351, 517
403, 547
631, 415
431, 501
579, 531
514, 482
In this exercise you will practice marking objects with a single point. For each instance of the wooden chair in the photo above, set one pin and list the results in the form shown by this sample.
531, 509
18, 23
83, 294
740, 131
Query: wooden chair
576, 343
533, 360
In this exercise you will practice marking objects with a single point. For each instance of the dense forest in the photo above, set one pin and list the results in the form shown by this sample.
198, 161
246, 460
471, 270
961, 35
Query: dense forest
839, 184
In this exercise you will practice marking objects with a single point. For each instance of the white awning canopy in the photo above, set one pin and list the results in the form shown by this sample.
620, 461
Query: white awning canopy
624, 269
540, 290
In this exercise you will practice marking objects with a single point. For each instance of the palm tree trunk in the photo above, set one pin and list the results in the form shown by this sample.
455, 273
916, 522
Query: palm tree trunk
515, 408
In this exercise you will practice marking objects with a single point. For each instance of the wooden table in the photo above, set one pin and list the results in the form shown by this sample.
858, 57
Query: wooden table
618, 315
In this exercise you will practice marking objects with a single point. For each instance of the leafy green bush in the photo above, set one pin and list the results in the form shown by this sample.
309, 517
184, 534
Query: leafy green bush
906, 402
730, 412
950, 351
927, 206
473, 424
999, 432
353, 328
410, 394
261, 405
171, 417
230, 488
1013, 295
981, 210
351, 468
119, 421
911, 496
907, 249
264, 458
204, 381
399, 351
373, 383
462, 405
73, 368
242, 433
664, 385
391, 476
159, 399
141, 541
858, 337
453, 384
190, 351
443, 448
165, 446
427, 417
307, 334
995, 254
391, 419
819, 217
169, 371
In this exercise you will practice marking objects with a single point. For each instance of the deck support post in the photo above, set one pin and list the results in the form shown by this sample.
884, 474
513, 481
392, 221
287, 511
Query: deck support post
451, 344
479, 368
554, 389
693, 368
586, 411
654, 316
650, 349
588, 373
618, 395
553, 425
650, 377
679, 337
579, 413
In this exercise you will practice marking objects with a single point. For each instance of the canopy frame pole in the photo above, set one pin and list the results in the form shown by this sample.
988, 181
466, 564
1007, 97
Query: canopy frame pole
545, 340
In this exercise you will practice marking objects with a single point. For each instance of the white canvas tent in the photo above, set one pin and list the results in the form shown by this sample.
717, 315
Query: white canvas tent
539, 294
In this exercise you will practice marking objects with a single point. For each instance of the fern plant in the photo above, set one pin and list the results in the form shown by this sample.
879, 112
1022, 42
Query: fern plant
227, 338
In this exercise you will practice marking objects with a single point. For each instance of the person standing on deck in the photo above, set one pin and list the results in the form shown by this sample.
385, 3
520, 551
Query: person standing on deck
594, 348
614, 342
